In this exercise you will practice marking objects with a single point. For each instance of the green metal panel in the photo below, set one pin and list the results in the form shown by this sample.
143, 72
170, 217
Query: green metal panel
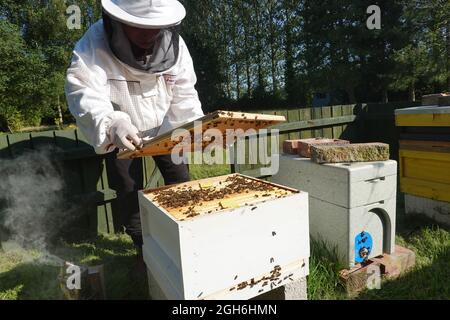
91, 172
102, 225
109, 216
42, 139
102, 213
294, 116
336, 111
4, 149
349, 130
19, 142
346, 110
66, 139
283, 136
305, 115
80, 137
317, 114
326, 114
316, 123
149, 167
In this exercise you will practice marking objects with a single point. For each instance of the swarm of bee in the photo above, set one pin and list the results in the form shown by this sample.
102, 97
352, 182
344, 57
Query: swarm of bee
273, 279
181, 197
191, 200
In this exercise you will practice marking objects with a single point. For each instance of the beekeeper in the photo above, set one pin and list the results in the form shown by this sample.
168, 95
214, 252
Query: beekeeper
132, 76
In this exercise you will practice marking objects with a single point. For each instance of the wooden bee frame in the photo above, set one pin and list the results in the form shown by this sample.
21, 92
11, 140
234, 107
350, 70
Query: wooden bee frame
221, 120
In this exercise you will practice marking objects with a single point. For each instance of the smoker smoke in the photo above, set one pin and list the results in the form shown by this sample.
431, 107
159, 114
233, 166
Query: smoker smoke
32, 206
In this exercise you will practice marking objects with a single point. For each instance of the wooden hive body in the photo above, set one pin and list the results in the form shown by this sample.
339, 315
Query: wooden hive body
238, 249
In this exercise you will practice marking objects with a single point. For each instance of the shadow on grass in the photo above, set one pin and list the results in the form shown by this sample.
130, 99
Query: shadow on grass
36, 278
430, 278
430, 282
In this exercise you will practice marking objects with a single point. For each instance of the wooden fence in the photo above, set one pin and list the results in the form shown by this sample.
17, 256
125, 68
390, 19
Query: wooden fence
85, 172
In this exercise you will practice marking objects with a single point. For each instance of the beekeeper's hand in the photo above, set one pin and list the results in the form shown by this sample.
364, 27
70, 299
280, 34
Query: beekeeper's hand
124, 135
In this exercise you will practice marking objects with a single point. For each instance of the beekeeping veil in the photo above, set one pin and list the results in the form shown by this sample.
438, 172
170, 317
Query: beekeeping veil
165, 15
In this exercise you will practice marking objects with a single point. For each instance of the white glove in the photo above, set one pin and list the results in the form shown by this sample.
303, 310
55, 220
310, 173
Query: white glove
123, 134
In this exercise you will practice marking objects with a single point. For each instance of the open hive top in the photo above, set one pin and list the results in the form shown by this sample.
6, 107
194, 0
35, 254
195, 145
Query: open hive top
194, 198
221, 120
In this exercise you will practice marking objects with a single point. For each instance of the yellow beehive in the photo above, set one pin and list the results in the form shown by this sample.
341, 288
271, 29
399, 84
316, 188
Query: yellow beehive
428, 116
425, 174
425, 153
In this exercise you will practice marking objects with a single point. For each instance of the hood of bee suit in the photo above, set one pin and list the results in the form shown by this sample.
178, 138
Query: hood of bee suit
161, 57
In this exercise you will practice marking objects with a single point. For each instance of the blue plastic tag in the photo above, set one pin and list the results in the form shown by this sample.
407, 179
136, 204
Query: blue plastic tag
363, 247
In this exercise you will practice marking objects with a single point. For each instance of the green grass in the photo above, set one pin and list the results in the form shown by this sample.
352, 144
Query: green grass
200, 171
24, 276
429, 279
323, 279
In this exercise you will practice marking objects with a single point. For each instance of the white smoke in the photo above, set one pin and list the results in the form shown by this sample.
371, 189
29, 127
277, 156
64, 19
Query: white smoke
32, 204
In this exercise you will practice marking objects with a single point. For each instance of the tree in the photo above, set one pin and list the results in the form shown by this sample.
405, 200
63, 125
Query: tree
42, 47
426, 56
24, 86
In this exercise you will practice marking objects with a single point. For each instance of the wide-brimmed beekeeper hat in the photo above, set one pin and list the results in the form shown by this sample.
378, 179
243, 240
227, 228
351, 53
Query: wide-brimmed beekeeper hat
147, 14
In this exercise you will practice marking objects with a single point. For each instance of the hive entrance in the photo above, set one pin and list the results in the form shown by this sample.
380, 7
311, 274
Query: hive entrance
207, 196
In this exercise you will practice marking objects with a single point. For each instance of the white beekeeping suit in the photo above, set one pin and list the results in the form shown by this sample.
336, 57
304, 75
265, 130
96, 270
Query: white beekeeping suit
102, 89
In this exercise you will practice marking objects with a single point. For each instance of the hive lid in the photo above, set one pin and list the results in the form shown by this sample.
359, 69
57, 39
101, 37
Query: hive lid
221, 120
363, 171
207, 196
424, 110
355, 171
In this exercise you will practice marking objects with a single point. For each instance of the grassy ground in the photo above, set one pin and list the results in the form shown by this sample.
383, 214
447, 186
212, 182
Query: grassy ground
25, 274
430, 278
28, 274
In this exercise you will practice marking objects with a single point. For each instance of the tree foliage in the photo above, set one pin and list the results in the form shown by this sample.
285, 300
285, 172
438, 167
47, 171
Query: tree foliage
35, 50
247, 53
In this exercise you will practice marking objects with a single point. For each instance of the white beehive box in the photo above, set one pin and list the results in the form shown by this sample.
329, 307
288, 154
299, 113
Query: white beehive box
236, 247
345, 200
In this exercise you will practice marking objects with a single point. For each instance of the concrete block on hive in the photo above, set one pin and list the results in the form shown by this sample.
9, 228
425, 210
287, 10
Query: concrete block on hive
304, 145
358, 152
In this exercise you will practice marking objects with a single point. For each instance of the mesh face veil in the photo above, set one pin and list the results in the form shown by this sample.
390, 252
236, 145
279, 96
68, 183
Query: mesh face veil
162, 55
